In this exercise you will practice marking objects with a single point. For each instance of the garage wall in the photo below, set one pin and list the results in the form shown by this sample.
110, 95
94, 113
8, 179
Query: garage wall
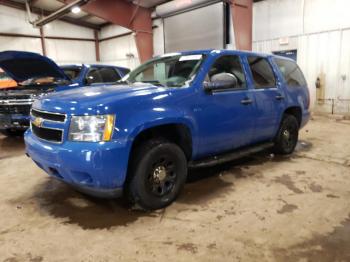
320, 31
120, 49
69, 51
13, 21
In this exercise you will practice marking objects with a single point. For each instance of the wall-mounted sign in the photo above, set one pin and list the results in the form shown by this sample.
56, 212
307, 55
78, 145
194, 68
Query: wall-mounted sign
284, 41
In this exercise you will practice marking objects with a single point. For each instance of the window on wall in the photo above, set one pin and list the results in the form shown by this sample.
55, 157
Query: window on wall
262, 73
228, 64
291, 72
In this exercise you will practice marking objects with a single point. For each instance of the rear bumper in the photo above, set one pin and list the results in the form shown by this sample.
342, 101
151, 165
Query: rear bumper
98, 169
305, 118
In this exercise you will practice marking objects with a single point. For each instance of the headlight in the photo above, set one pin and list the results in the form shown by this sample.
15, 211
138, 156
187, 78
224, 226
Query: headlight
91, 128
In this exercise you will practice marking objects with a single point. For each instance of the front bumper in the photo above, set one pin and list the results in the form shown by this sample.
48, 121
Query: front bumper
15, 121
98, 169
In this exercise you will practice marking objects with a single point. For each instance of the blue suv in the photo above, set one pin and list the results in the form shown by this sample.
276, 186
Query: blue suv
36, 76
179, 110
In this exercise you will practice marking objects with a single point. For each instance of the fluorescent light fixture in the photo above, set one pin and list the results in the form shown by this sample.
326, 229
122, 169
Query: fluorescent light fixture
75, 9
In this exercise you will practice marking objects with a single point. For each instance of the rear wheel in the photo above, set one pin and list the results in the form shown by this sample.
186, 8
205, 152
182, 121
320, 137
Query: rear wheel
158, 172
12, 132
287, 136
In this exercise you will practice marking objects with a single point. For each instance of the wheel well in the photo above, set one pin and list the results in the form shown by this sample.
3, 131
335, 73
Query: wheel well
176, 133
294, 111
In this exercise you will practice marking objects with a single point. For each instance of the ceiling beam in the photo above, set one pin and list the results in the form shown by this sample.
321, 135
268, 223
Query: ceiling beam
85, 17
128, 15
39, 11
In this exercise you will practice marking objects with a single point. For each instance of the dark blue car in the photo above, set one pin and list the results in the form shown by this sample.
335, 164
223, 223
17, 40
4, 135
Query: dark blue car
180, 110
37, 75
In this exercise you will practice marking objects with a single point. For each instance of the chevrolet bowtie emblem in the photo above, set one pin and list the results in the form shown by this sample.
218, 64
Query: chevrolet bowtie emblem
38, 122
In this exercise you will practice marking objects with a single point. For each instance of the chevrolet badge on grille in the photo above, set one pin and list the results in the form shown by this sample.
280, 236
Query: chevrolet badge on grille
38, 122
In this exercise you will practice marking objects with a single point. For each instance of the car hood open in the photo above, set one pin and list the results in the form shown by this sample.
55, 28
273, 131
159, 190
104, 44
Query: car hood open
21, 66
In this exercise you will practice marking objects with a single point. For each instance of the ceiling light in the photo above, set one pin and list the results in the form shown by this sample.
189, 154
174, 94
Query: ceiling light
75, 9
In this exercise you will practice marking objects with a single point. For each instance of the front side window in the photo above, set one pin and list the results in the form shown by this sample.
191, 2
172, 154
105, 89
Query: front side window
169, 70
291, 72
72, 72
93, 76
109, 75
102, 75
229, 65
262, 73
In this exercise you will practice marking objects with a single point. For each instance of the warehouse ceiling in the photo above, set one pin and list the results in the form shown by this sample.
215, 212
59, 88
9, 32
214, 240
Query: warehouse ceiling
45, 7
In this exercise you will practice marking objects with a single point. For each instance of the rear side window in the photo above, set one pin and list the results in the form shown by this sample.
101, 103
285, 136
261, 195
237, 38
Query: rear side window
262, 73
291, 72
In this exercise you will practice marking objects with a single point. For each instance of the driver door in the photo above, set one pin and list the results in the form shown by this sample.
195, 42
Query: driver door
226, 117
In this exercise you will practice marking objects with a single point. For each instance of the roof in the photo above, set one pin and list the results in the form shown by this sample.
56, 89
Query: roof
88, 65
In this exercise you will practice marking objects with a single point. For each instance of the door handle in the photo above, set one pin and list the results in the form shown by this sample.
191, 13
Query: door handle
279, 97
246, 101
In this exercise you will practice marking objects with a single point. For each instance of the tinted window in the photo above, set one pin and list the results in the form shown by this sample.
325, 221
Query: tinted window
108, 74
102, 75
72, 73
291, 72
124, 71
262, 72
228, 64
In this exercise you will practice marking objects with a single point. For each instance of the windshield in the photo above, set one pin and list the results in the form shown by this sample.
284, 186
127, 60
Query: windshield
72, 72
169, 70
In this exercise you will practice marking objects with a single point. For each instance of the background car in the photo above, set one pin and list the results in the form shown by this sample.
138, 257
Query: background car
38, 75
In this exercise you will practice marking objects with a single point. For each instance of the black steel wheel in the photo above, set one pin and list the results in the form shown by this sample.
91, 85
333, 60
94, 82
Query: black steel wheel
287, 136
157, 174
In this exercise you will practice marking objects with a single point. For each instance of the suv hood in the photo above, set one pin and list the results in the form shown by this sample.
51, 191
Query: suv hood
87, 99
21, 66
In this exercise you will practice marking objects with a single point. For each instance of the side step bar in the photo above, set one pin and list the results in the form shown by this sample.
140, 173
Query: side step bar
233, 155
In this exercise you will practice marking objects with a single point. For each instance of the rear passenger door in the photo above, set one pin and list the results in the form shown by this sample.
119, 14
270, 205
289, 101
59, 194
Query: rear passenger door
269, 98
102, 75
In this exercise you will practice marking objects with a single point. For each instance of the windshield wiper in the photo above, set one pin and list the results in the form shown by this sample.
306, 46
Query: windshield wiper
123, 82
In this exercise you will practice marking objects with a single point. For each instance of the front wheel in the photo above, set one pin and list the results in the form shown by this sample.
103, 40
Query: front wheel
287, 136
158, 172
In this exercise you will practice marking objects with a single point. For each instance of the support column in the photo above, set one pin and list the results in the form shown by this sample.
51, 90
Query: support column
97, 46
126, 14
42, 38
242, 18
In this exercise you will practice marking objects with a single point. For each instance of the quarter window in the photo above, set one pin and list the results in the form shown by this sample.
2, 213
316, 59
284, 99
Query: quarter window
291, 72
261, 69
229, 64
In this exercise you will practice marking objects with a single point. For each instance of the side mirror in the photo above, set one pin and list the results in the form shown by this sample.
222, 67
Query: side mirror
221, 81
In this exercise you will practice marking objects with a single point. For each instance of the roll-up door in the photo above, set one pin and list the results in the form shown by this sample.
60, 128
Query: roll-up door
201, 28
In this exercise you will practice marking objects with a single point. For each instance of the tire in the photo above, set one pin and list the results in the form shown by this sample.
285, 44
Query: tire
287, 136
12, 133
157, 174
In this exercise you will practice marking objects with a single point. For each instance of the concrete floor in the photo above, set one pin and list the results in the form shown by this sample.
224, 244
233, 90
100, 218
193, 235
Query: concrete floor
261, 208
